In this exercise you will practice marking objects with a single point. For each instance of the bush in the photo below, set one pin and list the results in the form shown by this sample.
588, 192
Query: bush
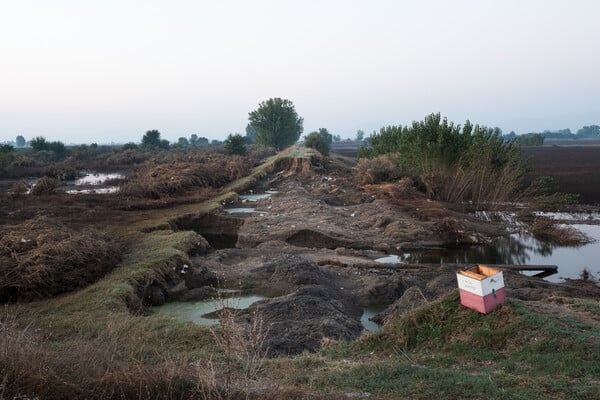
45, 185
455, 163
317, 141
379, 169
235, 145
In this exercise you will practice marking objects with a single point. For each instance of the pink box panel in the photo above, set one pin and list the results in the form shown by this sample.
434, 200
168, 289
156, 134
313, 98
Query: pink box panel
483, 304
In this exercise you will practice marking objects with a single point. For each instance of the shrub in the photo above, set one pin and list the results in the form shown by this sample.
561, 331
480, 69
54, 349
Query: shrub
317, 141
383, 168
455, 163
235, 145
45, 185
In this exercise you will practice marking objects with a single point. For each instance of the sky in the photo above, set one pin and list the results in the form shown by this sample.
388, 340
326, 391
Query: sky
107, 71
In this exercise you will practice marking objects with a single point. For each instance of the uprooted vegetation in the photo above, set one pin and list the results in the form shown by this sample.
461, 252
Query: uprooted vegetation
42, 257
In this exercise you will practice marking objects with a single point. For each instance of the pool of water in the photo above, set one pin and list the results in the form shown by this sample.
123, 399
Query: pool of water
198, 311
93, 178
369, 313
518, 249
243, 210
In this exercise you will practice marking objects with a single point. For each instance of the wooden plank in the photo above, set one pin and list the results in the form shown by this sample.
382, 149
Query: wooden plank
512, 267
472, 274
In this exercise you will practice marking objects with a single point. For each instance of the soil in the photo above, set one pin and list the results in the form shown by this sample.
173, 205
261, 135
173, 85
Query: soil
312, 249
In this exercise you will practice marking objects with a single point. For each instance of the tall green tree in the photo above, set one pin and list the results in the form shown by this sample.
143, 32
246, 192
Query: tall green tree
276, 122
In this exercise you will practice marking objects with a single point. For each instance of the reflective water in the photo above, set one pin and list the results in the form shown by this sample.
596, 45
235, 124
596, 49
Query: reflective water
518, 249
198, 311
242, 210
94, 178
369, 313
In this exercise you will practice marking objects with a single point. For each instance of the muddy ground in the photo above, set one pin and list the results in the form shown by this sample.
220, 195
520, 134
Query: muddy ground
310, 248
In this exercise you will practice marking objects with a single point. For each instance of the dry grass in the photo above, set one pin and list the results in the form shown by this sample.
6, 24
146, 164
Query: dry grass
41, 258
170, 178
379, 169
45, 185
547, 230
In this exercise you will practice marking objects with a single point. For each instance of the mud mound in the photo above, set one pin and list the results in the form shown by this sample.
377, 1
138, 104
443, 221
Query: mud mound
294, 270
315, 239
301, 320
41, 258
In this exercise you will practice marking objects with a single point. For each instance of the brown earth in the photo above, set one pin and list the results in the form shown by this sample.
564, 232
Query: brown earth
312, 248
576, 169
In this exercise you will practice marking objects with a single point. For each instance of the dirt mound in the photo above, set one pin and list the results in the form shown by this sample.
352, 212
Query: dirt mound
412, 298
294, 270
301, 320
41, 258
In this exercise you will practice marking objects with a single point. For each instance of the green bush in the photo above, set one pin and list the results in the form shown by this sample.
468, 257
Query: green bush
317, 141
455, 163
235, 144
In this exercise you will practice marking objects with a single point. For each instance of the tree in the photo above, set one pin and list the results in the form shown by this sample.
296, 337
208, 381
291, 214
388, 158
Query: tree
235, 144
360, 135
20, 141
183, 142
250, 134
337, 138
152, 140
276, 122
327, 137
318, 141
39, 143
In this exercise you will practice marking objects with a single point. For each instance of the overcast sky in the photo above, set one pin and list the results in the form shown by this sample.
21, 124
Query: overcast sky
107, 71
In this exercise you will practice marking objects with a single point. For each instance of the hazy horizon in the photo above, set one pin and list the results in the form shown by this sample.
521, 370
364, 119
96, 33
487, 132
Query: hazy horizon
109, 71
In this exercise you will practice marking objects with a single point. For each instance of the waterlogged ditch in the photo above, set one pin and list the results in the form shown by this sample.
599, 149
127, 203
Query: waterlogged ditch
517, 249
205, 312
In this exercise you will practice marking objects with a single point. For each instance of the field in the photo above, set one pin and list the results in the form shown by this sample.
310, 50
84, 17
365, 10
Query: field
575, 168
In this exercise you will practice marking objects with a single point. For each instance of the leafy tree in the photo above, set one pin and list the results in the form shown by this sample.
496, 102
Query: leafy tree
276, 122
39, 143
152, 140
20, 141
183, 142
337, 138
251, 133
215, 142
235, 144
327, 137
198, 141
360, 135
318, 141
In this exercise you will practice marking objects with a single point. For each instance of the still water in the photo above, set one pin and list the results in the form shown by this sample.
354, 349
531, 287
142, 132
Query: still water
518, 249
198, 311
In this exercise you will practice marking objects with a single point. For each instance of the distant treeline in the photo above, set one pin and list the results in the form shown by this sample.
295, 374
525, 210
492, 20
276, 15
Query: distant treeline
537, 138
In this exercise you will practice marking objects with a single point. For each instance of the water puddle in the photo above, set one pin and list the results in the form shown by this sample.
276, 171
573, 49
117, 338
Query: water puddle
370, 312
94, 178
243, 210
204, 312
516, 249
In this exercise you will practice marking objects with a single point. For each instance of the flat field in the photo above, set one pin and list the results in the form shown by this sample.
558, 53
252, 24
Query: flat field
576, 169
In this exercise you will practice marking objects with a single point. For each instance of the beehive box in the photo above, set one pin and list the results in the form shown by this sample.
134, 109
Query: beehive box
481, 288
